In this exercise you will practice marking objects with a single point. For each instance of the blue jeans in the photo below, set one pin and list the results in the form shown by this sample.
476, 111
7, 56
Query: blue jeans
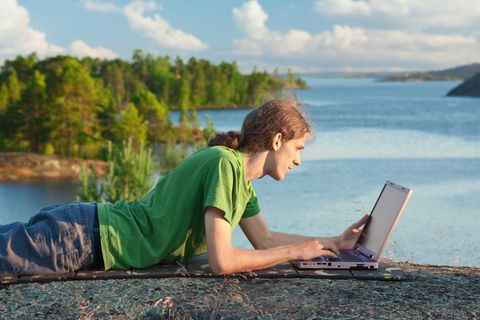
58, 239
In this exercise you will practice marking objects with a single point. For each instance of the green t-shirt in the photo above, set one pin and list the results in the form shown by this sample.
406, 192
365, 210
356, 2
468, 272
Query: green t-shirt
168, 224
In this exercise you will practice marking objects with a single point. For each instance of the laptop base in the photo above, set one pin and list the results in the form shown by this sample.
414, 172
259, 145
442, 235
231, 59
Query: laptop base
346, 260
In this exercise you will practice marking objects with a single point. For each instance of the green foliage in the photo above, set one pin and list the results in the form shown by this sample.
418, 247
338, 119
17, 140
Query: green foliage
32, 106
293, 80
74, 99
129, 175
70, 107
175, 153
88, 189
209, 130
130, 124
154, 112
4, 97
14, 87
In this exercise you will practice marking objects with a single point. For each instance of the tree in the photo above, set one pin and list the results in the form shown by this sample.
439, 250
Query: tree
14, 87
154, 111
36, 115
129, 175
184, 92
129, 124
12, 117
4, 98
69, 107
117, 78
160, 79
198, 94
75, 99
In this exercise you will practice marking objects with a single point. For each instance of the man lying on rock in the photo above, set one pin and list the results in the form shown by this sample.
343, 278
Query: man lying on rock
190, 211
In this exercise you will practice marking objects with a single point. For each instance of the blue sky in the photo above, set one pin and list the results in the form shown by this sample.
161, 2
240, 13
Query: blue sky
315, 35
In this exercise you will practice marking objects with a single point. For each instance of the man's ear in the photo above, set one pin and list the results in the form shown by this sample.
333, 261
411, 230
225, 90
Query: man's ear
277, 141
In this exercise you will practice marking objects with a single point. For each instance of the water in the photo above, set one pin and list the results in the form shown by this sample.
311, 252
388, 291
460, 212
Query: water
366, 132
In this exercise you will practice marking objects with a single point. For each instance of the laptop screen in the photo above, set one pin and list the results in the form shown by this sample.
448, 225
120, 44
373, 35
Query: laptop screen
388, 207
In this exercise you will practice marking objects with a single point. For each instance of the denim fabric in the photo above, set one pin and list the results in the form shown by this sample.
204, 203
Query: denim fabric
58, 239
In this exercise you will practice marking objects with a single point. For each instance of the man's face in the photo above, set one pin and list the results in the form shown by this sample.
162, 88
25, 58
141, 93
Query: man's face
284, 157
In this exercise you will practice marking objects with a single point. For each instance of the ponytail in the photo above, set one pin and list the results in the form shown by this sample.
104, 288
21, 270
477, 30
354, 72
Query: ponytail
231, 139
260, 126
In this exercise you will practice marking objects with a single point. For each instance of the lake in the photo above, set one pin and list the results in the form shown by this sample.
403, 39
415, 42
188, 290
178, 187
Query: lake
366, 132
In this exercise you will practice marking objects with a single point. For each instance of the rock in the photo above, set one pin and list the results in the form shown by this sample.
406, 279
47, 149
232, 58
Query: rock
20, 166
469, 88
435, 292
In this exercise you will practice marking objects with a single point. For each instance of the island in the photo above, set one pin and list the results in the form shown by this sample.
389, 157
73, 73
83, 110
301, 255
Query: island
457, 73
469, 88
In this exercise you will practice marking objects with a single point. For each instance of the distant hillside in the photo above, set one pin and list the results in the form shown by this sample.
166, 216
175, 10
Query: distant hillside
457, 73
469, 88
351, 74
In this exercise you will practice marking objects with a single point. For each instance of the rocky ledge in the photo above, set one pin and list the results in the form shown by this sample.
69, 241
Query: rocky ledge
431, 292
468, 88
23, 166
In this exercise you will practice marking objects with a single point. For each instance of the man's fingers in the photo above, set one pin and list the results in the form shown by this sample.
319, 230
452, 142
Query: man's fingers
329, 253
361, 222
333, 249
326, 246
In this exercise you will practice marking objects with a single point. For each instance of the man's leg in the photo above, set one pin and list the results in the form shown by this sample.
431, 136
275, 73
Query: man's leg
56, 240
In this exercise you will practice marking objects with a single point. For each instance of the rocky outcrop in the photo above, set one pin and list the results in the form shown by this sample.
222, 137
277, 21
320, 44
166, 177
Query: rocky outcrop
431, 292
469, 88
21, 166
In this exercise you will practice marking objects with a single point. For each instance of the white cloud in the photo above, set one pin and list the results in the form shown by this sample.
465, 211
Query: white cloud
251, 19
81, 49
17, 37
247, 47
343, 7
344, 46
100, 6
153, 27
411, 14
158, 29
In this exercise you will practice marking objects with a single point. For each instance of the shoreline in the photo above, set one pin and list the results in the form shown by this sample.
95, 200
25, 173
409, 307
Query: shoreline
25, 166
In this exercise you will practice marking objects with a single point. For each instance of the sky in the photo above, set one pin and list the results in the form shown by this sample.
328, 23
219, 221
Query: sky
303, 35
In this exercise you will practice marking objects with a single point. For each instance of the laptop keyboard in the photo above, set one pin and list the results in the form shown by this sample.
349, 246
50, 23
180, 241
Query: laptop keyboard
344, 256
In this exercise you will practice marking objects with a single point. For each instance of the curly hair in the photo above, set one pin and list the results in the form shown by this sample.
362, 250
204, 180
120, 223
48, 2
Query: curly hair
263, 123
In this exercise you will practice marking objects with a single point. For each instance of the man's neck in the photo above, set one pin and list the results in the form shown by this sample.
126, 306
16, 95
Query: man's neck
254, 164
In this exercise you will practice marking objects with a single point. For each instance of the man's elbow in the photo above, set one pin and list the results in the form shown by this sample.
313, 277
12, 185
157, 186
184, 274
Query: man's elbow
219, 266
220, 271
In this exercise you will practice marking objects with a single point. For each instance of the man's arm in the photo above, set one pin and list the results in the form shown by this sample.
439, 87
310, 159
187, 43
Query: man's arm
224, 258
261, 237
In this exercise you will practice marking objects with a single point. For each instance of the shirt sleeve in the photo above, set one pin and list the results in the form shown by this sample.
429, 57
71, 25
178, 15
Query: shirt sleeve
252, 207
219, 187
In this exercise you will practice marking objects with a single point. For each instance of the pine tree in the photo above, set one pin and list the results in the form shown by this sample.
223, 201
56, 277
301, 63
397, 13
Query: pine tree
198, 94
129, 175
4, 97
35, 112
14, 87
75, 98
129, 124
154, 111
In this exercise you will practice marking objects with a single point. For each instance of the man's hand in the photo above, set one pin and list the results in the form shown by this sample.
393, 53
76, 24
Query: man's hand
349, 237
224, 258
312, 248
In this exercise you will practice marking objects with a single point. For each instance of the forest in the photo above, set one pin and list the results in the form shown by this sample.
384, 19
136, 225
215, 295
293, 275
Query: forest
71, 107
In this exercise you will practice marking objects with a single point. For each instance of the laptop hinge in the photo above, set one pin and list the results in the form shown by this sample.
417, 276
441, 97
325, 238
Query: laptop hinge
365, 252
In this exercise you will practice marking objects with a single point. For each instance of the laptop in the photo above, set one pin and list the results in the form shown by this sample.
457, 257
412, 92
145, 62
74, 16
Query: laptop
375, 234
